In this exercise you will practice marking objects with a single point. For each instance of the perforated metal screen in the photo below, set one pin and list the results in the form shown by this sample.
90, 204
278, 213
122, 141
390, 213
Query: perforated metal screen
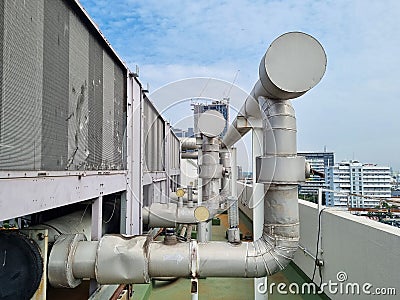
62, 92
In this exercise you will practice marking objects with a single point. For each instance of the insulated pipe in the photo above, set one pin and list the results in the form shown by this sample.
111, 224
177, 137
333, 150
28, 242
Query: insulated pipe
139, 258
190, 155
169, 215
293, 64
76, 222
227, 172
189, 144
210, 170
190, 203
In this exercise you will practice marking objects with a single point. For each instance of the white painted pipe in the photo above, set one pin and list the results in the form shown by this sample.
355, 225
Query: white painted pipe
293, 64
136, 259
190, 155
169, 215
189, 144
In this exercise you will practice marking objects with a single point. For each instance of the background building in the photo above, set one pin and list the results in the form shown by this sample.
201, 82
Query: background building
318, 161
181, 133
357, 178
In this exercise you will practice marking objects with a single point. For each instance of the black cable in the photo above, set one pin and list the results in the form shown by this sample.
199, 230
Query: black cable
320, 276
51, 226
317, 252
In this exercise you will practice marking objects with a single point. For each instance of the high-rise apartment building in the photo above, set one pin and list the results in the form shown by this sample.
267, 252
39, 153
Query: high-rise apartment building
355, 178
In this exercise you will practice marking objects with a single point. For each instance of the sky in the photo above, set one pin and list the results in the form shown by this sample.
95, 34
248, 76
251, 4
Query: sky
353, 111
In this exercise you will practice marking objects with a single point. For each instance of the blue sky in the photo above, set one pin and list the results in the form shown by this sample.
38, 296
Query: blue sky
353, 111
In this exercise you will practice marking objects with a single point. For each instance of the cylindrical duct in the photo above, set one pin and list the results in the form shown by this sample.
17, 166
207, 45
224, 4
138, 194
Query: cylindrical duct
190, 155
189, 144
294, 63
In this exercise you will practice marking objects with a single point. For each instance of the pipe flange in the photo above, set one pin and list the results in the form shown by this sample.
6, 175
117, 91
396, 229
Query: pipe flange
60, 261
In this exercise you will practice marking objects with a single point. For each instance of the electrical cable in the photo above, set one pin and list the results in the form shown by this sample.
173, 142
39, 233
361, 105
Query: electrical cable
317, 252
83, 214
112, 213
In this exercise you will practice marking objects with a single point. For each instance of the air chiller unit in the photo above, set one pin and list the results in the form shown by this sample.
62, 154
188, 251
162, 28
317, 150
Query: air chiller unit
62, 90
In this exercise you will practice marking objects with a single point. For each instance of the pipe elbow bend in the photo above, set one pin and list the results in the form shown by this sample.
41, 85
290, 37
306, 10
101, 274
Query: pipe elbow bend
270, 254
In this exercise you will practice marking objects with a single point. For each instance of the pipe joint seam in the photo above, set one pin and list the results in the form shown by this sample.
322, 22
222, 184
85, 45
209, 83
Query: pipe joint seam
122, 259
194, 259
60, 271
274, 169
210, 171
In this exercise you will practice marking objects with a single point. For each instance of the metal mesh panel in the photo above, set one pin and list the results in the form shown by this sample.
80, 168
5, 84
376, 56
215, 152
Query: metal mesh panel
22, 64
1, 61
95, 104
108, 112
119, 116
55, 86
154, 132
62, 96
78, 118
148, 136
174, 152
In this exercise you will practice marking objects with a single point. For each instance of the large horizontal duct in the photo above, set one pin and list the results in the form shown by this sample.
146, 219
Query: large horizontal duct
293, 64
